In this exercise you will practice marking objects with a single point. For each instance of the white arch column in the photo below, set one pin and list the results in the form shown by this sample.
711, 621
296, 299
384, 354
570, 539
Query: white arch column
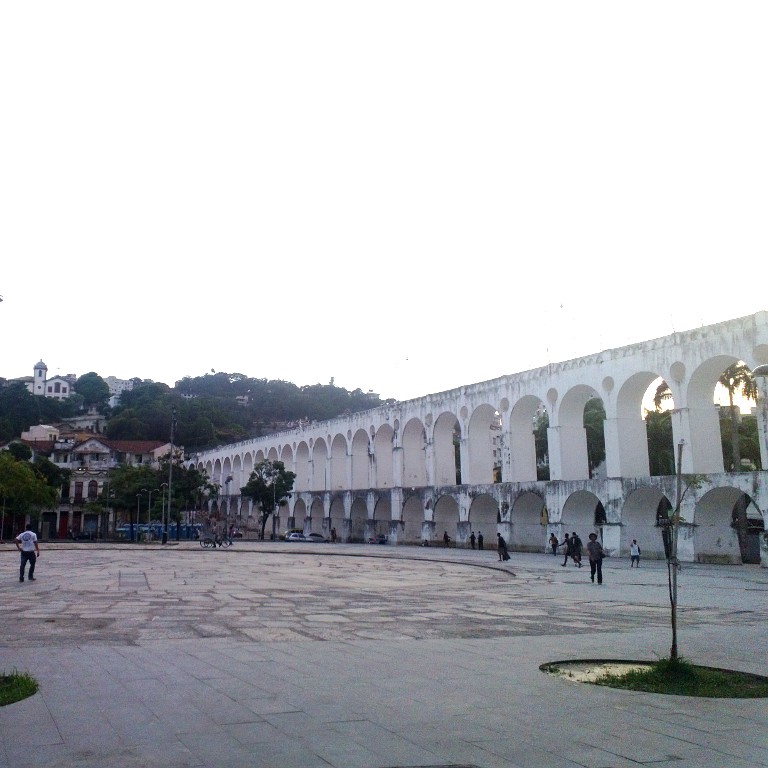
626, 448
567, 453
519, 458
700, 429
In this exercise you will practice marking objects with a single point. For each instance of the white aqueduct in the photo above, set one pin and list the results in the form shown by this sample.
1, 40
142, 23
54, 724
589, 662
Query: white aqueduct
396, 469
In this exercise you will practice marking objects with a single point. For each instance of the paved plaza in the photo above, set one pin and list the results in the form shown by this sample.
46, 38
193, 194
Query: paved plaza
307, 656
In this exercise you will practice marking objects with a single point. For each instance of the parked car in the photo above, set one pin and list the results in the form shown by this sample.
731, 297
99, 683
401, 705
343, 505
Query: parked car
290, 531
316, 537
295, 536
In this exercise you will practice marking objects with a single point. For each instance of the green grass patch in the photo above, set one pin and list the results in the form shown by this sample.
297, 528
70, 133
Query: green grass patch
677, 677
16, 686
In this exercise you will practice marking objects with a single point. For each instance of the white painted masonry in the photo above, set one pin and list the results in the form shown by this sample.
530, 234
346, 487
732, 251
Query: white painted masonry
393, 470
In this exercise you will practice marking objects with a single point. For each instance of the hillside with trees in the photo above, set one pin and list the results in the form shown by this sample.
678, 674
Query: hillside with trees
222, 408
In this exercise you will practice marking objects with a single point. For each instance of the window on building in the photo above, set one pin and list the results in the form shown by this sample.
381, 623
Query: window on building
57, 387
93, 489
64, 390
79, 490
50, 389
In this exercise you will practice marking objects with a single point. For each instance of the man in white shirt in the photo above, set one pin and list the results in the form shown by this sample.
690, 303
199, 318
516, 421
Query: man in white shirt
26, 543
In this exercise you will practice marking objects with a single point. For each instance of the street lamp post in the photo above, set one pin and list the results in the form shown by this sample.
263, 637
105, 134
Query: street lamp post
163, 486
170, 483
226, 513
138, 514
149, 505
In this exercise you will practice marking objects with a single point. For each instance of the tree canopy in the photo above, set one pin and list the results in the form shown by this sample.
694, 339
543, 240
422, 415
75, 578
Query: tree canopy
269, 487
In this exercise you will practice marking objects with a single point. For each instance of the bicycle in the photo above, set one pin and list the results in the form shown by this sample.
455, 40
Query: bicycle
211, 542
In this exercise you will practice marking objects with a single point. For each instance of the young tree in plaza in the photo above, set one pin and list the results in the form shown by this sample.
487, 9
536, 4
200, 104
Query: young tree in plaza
269, 487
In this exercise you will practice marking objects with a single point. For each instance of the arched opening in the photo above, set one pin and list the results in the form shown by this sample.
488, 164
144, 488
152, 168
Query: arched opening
529, 529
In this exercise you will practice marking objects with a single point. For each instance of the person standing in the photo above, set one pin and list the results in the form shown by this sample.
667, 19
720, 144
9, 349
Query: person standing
26, 543
479, 540
501, 545
472, 540
596, 553
578, 546
634, 554
446, 538
554, 543
568, 549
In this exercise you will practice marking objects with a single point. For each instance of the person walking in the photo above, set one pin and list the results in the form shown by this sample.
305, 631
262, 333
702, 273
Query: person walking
501, 545
634, 554
568, 549
446, 539
554, 543
472, 540
479, 540
26, 543
578, 546
596, 554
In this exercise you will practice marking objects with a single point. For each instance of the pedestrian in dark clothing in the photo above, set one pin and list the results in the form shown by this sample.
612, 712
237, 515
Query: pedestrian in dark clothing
577, 548
596, 554
446, 538
554, 543
502, 547
568, 549
479, 540
26, 543
472, 540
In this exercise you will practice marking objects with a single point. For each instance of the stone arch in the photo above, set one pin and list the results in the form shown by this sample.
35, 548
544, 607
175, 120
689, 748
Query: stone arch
361, 460
319, 523
446, 518
336, 517
414, 457
382, 513
639, 521
358, 521
382, 453
627, 453
522, 439
286, 456
302, 467
572, 455
444, 436
528, 533
482, 431
320, 466
272, 454
247, 467
338, 463
413, 520
484, 519
704, 453
579, 514
300, 514
715, 539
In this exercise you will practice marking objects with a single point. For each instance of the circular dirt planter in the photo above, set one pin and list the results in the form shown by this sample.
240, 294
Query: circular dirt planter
715, 682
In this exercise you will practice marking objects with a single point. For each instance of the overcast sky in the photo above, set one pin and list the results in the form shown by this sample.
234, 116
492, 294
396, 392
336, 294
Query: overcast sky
402, 196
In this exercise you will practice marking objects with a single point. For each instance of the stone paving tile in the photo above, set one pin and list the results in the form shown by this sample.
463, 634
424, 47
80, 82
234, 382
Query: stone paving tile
263, 656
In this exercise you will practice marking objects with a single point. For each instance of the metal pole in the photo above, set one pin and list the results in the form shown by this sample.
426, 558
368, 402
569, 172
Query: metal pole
675, 525
170, 482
